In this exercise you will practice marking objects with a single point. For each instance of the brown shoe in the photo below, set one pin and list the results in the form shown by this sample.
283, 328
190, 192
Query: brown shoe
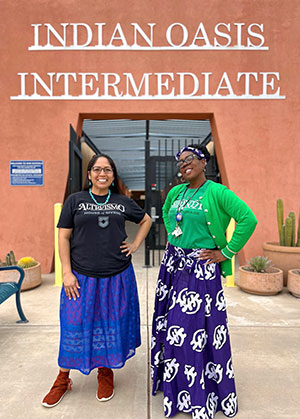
105, 384
61, 385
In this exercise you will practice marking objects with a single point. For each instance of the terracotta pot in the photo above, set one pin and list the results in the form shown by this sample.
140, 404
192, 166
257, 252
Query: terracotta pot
283, 257
293, 283
261, 283
32, 277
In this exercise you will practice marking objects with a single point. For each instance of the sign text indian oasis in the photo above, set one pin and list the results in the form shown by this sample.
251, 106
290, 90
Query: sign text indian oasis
235, 37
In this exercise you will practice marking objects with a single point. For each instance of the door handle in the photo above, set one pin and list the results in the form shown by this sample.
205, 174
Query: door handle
153, 214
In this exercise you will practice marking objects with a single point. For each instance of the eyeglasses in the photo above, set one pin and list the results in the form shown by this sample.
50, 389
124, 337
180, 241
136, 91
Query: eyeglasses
98, 170
187, 160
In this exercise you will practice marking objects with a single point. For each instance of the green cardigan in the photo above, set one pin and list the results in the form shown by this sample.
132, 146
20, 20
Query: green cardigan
220, 205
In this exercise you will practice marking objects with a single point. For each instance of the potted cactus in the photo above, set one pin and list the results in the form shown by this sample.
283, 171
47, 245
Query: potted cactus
286, 252
260, 277
31, 267
293, 282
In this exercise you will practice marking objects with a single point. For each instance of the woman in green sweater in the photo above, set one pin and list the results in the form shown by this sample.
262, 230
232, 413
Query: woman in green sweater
190, 355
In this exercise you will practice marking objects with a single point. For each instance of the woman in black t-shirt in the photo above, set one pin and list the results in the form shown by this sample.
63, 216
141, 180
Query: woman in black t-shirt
99, 310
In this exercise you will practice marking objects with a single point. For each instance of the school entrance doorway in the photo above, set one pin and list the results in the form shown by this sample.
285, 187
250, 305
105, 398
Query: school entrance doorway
143, 151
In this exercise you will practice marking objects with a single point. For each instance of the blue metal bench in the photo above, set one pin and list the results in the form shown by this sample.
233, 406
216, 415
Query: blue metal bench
10, 288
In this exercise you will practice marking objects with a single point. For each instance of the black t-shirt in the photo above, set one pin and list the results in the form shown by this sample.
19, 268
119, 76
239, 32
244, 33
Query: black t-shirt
98, 232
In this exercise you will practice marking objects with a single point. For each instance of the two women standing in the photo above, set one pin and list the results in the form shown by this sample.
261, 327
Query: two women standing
190, 355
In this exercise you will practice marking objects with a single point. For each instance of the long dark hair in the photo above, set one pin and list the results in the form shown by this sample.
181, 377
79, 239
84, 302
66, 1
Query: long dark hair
116, 187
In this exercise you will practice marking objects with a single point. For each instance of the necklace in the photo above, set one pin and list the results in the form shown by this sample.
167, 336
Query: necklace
179, 216
93, 198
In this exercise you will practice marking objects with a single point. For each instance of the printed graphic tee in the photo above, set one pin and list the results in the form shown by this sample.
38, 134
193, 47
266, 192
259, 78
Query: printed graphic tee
195, 233
98, 232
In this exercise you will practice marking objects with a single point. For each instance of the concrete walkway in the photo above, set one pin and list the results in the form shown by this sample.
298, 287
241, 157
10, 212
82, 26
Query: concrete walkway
265, 339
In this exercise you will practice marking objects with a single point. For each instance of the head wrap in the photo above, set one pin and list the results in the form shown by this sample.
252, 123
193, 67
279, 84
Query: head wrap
193, 150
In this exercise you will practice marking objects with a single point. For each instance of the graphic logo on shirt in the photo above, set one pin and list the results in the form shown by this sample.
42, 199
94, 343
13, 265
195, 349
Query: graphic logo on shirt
193, 204
103, 221
85, 206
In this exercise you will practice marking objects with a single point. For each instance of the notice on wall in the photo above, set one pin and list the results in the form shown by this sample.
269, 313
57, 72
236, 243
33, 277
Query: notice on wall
26, 172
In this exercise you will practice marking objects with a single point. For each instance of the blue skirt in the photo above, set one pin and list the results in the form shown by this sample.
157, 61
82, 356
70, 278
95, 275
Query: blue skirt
190, 353
102, 327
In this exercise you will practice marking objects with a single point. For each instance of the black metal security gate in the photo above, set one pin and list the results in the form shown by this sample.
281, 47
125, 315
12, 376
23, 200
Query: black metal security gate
143, 151
75, 163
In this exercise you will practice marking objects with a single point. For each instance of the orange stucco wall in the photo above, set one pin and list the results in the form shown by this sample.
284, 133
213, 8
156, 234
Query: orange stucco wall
256, 140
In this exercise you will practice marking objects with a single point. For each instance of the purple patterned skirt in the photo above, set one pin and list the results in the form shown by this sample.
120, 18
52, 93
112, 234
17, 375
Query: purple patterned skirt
190, 352
102, 327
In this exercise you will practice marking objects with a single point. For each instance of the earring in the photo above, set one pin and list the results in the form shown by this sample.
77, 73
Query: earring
90, 183
113, 184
